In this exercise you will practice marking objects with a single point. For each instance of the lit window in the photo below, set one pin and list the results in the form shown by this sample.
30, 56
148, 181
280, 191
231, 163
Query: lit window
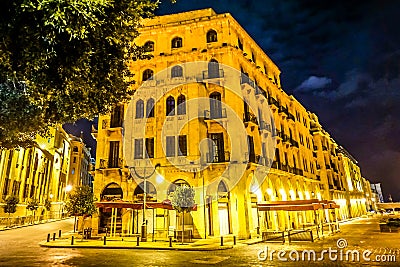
176, 71
150, 108
181, 105
139, 109
170, 110
149, 46
212, 36
147, 75
176, 42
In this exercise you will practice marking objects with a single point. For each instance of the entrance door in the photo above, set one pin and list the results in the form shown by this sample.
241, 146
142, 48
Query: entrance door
223, 219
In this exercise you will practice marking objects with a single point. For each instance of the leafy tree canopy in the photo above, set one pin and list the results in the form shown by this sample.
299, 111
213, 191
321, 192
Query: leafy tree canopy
11, 204
81, 201
64, 60
183, 198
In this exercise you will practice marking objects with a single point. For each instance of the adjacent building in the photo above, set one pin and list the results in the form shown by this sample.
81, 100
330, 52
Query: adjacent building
44, 172
252, 128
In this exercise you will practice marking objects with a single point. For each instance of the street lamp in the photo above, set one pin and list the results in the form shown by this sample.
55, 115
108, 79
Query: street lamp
135, 171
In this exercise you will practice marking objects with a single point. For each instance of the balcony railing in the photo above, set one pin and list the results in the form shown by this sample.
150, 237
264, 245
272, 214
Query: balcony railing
273, 101
218, 157
215, 114
245, 79
111, 163
265, 126
294, 143
250, 117
213, 74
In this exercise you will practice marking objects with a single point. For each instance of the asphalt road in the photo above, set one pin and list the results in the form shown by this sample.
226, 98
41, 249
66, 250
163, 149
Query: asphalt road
19, 247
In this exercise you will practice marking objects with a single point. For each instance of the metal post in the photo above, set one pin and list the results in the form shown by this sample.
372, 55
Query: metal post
234, 240
54, 236
170, 241
72, 240
137, 241
222, 241
59, 233
105, 240
48, 237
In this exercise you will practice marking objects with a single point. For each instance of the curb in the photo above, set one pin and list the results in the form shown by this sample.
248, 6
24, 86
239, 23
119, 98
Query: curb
44, 244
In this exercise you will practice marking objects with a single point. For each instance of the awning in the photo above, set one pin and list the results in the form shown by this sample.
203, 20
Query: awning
297, 205
137, 206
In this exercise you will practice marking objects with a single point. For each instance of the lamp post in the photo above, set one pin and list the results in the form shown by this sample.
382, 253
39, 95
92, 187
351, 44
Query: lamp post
134, 171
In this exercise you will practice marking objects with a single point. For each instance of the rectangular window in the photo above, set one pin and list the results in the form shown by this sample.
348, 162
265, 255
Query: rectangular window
113, 157
150, 147
117, 116
74, 160
182, 149
170, 146
250, 144
138, 148
217, 150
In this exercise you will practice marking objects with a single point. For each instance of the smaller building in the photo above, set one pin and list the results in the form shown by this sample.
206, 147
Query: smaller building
377, 189
80, 163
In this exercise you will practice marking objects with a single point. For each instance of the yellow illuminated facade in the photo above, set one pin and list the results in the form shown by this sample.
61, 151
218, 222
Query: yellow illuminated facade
40, 172
305, 164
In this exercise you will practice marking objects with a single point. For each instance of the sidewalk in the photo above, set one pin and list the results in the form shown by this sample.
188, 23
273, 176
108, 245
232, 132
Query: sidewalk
131, 243
6, 228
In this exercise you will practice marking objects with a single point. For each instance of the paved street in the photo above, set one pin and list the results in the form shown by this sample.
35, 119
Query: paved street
19, 247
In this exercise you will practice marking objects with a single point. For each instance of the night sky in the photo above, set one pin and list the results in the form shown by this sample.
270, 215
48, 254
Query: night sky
341, 60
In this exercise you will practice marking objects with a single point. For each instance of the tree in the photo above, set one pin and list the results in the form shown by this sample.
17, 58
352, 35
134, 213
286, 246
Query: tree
64, 60
81, 202
183, 201
33, 205
47, 206
10, 206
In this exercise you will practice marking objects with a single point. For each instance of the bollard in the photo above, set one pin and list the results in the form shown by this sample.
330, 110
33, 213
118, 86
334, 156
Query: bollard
170, 241
234, 240
54, 236
48, 237
105, 240
72, 240
59, 233
137, 241
222, 241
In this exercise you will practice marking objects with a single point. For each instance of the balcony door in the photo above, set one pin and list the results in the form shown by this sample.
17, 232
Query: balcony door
113, 157
217, 149
215, 105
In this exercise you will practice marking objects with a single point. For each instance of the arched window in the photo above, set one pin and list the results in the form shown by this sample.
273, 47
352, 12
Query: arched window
176, 71
176, 42
150, 108
215, 105
147, 75
170, 110
181, 105
211, 36
179, 182
139, 109
213, 69
149, 46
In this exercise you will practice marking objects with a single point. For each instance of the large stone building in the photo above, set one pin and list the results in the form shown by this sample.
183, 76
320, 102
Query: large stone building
42, 172
231, 97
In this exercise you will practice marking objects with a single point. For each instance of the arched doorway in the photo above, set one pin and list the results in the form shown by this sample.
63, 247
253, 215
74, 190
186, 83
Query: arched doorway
223, 209
111, 192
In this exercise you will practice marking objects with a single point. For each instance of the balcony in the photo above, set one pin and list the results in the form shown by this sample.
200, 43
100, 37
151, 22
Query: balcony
294, 143
111, 163
215, 114
273, 103
261, 92
265, 126
209, 75
291, 117
250, 117
283, 111
224, 156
